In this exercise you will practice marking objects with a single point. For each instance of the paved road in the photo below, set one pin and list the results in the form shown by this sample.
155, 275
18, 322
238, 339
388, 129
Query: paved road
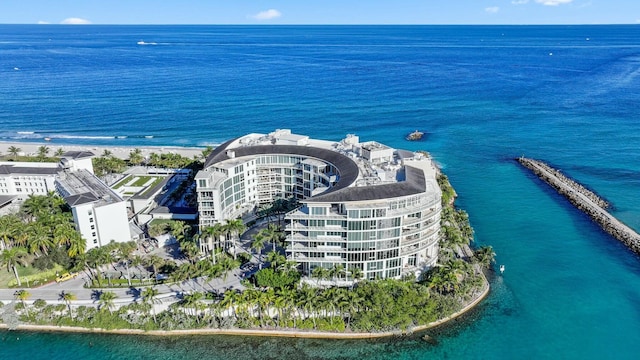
173, 292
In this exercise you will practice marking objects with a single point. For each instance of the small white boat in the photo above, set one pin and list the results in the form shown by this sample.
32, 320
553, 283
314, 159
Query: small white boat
501, 269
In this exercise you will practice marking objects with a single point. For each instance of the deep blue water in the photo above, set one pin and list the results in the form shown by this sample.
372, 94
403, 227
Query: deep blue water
484, 95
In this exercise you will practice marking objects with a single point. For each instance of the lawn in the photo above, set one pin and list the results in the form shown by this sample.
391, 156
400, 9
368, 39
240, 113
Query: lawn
122, 182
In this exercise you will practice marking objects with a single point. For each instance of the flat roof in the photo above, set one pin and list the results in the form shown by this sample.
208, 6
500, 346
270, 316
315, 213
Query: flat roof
28, 170
84, 187
414, 183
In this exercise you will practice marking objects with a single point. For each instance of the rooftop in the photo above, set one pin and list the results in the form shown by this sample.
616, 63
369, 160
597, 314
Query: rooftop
388, 181
78, 154
83, 187
22, 168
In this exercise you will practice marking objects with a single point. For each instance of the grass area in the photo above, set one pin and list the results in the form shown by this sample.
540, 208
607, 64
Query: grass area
34, 276
122, 182
150, 187
141, 180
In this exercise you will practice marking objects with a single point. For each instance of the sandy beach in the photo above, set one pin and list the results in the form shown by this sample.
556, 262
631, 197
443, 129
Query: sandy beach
29, 148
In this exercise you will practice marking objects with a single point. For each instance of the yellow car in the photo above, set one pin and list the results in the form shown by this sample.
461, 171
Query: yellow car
66, 276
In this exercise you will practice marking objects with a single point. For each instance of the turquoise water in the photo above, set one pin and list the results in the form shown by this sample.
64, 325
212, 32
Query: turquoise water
484, 95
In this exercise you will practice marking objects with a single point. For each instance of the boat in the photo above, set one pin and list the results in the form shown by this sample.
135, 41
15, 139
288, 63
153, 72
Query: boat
501, 269
47, 139
416, 135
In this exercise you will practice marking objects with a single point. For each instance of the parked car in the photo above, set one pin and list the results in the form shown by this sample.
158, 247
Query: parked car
66, 276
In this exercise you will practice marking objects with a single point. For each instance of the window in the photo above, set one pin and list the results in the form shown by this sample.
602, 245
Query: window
90, 219
93, 234
93, 227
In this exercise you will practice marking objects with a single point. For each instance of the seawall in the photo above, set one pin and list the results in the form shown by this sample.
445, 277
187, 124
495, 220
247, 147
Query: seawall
585, 200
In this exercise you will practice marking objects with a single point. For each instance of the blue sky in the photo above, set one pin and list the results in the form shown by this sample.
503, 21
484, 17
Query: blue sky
320, 11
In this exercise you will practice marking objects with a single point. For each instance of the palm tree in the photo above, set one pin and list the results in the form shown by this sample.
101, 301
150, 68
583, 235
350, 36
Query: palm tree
307, 300
271, 234
485, 256
14, 151
319, 273
207, 151
59, 152
77, 245
190, 250
193, 300
22, 295
337, 271
12, 258
8, 230
155, 261
212, 234
148, 297
42, 152
106, 300
356, 273
234, 227
106, 153
179, 229
68, 297
229, 300
135, 157
258, 244
35, 206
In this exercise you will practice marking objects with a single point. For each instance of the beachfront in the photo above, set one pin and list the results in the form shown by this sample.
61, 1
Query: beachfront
121, 152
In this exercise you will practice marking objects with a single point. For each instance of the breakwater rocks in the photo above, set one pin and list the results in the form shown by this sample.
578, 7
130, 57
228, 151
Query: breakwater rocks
585, 200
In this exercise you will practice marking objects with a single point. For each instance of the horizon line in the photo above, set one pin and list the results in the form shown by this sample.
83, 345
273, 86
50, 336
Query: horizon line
267, 25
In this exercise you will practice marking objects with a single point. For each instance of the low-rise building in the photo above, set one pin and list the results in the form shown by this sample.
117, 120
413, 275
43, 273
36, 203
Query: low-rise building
99, 213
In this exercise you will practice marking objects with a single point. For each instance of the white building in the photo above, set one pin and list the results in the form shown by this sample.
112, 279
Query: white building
99, 213
364, 206
21, 179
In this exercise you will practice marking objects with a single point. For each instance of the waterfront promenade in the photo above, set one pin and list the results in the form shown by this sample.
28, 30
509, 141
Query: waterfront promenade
585, 200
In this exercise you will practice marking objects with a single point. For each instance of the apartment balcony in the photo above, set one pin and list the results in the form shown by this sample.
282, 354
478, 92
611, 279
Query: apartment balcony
411, 220
412, 249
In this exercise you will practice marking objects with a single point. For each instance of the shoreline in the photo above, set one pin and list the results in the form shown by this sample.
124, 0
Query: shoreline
254, 332
121, 152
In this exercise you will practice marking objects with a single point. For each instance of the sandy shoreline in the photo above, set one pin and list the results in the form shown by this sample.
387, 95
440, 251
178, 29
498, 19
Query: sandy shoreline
250, 332
122, 152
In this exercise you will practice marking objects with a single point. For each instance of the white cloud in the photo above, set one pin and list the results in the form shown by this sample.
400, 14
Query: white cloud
267, 15
553, 2
519, 2
41, 22
492, 9
75, 21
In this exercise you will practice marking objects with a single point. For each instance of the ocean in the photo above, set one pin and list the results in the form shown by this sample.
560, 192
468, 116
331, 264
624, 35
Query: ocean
482, 94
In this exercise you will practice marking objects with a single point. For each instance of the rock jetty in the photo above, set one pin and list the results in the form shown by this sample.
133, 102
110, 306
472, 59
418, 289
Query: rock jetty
585, 200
